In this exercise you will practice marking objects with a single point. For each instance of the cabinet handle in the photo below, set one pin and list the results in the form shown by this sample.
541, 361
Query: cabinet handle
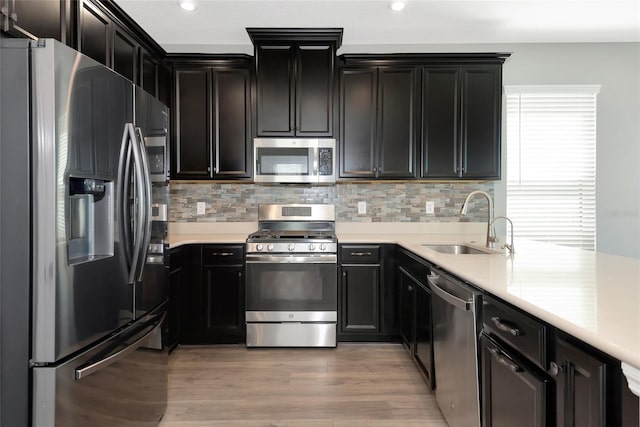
497, 354
361, 254
554, 369
502, 325
410, 288
222, 253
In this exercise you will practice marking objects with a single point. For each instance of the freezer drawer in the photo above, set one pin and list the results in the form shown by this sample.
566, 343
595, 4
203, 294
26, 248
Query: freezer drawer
121, 382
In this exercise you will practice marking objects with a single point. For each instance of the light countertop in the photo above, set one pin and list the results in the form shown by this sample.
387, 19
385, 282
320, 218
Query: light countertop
592, 296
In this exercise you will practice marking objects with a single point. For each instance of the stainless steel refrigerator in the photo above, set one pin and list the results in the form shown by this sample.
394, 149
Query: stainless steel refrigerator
97, 294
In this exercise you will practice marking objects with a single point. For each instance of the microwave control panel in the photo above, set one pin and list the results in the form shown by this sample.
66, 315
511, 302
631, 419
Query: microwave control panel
325, 161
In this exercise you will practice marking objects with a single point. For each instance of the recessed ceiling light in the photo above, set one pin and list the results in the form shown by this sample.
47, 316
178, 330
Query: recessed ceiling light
189, 5
398, 5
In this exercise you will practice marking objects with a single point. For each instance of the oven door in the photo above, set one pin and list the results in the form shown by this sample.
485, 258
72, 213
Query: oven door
292, 283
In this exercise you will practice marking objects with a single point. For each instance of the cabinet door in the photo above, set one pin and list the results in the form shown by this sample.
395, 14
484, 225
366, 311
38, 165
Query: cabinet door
360, 299
424, 338
176, 281
396, 123
39, 19
223, 304
314, 90
164, 84
440, 122
149, 74
481, 118
513, 394
358, 98
95, 32
191, 301
231, 123
125, 55
407, 308
580, 387
275, 90
191, 156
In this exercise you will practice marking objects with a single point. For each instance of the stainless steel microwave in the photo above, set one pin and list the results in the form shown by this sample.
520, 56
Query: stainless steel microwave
294, 160
158, 158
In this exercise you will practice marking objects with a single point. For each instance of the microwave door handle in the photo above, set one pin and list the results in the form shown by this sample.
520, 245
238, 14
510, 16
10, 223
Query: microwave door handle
315, 161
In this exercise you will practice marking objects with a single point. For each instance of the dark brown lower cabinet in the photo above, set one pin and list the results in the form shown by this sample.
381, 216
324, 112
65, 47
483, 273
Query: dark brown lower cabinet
224, 304
407, 285
177, 279
514, 393
423, 352
583, 382
360, 299
213, 299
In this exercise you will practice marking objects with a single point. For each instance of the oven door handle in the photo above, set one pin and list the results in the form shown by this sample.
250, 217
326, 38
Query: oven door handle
292, 259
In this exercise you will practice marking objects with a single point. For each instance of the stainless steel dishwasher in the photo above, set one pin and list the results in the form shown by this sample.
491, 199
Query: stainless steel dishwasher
455, 348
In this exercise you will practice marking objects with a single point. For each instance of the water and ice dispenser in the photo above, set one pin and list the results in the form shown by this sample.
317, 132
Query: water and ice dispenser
91, 219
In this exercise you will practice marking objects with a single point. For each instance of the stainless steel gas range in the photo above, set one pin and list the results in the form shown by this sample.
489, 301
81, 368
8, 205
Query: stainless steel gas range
292, 277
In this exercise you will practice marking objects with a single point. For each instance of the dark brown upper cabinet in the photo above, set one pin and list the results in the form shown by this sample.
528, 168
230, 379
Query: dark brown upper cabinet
37, 19
427, 116
461, 119
94, 33
149, 74
125, 55
212, 120
378, 118
294, 80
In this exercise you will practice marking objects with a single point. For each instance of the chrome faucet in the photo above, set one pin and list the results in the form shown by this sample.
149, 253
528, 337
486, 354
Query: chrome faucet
506, 246
491, 239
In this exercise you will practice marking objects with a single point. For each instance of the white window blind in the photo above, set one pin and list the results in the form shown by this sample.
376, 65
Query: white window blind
551, 163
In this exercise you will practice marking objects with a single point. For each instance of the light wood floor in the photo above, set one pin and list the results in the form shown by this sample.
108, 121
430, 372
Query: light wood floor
352, 385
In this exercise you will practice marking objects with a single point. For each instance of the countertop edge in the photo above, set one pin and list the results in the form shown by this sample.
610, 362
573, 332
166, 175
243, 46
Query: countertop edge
411, 243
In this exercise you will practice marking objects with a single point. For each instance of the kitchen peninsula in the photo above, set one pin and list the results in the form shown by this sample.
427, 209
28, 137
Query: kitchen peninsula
591, 296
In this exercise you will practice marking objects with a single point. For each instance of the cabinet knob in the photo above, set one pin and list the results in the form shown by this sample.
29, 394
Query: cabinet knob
554, 369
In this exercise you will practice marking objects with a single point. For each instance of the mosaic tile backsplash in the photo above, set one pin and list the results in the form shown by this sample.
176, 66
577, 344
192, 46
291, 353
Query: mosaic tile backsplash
386, 202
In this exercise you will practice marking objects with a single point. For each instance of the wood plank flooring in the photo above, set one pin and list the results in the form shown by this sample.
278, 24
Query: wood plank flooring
353, 385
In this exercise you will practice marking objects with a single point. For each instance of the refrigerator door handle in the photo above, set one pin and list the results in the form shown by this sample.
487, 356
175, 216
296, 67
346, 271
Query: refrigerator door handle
142, 209
122, 196
146, 239
93, 367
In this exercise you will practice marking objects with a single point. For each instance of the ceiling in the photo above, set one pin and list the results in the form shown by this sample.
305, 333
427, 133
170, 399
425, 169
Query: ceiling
218, 26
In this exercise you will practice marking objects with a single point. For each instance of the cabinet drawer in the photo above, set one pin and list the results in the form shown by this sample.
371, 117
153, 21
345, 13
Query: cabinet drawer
522, 332
360, 254
222, 254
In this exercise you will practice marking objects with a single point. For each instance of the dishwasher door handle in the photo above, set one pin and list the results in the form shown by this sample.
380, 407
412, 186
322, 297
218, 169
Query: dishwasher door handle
451, 299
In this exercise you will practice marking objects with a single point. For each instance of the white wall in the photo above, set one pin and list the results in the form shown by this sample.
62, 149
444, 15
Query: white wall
616, 67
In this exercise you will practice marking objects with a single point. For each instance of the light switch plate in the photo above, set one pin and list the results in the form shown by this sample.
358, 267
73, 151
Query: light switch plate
200, 208
362, 208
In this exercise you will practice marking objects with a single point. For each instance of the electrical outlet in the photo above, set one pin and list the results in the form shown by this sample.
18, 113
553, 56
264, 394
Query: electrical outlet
429, 207
200, 208
362, 208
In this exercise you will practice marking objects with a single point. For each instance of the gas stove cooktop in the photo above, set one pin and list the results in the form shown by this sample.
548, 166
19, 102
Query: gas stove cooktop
294, 228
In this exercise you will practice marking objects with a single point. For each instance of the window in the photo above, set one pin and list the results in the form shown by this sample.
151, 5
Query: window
551, 163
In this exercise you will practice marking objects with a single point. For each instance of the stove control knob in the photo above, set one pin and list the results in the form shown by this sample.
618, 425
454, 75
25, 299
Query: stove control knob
270, 247
259, 247
291, 246
312, 247
323, 246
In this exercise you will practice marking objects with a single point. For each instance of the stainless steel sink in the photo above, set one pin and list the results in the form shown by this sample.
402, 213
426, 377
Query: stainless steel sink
457, 249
